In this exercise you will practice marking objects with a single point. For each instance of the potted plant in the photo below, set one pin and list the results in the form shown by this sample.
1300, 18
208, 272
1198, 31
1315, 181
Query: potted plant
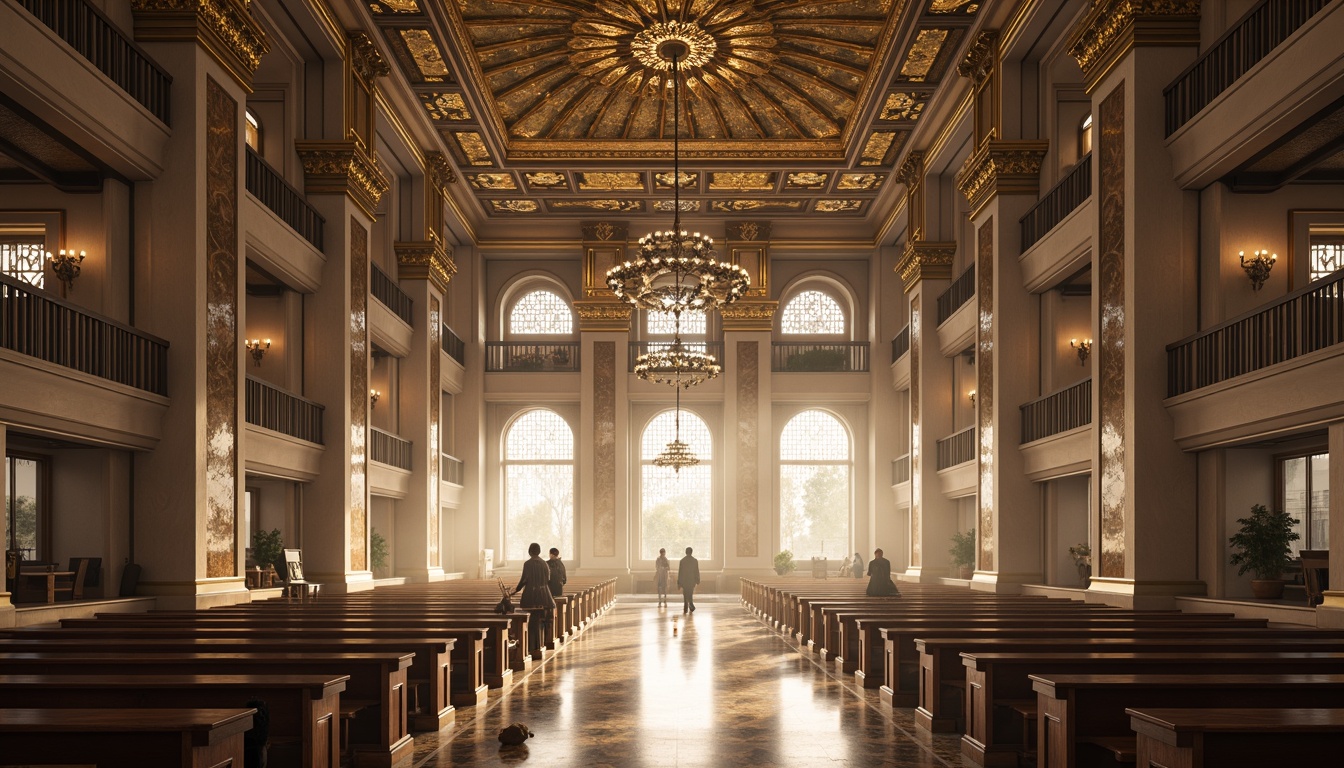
1262, 548
377, 550
963, 553
267, 549
784, 563
1082, 560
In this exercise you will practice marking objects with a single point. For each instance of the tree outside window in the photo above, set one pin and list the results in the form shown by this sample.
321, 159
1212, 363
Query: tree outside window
1306, 498
538, 484
675, 507
815, 479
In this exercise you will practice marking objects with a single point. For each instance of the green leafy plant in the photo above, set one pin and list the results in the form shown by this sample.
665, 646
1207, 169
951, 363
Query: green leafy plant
1262, 543
784, 563
1081, 553
817, 360
267, 548
377, 549
963, 549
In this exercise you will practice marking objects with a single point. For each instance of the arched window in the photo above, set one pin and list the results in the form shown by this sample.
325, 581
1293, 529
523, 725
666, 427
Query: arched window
815, 478
664, 324
812, 312
541, 313
675, 506
538, 484
252, 131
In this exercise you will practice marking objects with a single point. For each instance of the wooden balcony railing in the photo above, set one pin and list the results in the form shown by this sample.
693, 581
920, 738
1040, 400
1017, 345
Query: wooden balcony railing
451, 469
1302, 322
959, 292
1261, 30
85, 29
271, 407
823, 356
637, 348
900, 345
387, 448
956, 449
900, 469
1059, 202
39, 325
284, 200
527, 357
386, 290
1069, 408
453, 345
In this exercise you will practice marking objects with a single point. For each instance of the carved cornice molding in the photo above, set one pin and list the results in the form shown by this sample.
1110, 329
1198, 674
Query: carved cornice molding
911, 172
604, 231
1113, 27
603, 315
342, 167
981, 57
365, 59
440, 171
925, 260
425, 260
749, 315
224, 28
1001, 168
749, 231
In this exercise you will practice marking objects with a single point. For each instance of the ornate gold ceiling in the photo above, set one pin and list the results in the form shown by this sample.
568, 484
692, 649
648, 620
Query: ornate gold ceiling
563, 107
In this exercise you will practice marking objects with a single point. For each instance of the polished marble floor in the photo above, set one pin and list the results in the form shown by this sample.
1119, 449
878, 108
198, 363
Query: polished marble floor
722, 691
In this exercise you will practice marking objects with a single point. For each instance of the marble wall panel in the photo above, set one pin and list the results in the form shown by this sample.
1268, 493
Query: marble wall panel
221, 332
984, 392
604, 448
916, 456
435, 400
1110, 349
359, 395
748, 445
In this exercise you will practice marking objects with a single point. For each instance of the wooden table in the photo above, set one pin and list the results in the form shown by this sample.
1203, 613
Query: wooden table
1237, 738
21, 591
125, 738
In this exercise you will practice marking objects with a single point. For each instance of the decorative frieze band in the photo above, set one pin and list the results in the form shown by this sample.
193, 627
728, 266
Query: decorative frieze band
335, 167
604, 230
425, 260
600, 315
1001, 167
749, 315
1113, 27
224, 28
925, 260
749, 231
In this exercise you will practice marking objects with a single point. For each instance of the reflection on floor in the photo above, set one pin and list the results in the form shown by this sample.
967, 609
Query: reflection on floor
722, 691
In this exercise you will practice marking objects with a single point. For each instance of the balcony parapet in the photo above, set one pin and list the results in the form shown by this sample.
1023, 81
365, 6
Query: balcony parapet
1054, 206
283, 199
900, 344
451, 469
1060, 411
814, 357
385, 290
958, 293
957, 448
387, 448
900, 469
279, 410
453, 345
530, 357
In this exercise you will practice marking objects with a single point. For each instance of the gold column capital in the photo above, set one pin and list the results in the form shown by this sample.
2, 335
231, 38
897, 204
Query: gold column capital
440, 171
603, 315
1113, 27
224, 28
365, 59
342, 167
749, 315
1001, 168
925, 260
981, 57
425, 260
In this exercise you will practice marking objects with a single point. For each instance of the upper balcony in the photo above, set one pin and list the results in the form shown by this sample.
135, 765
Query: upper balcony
958, 471
1056, 432
283, 232
900, 359
284, 432
819, 357
391, 320
1057, 231
956, 314
391, 461
453, 361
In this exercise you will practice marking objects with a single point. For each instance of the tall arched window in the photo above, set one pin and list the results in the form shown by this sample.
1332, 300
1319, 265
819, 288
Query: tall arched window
675, 506
812, 312
541, 313
815, 478
538, 484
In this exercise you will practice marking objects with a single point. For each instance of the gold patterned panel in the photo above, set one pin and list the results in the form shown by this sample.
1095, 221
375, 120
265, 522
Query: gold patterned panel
359, 396
806, 180
221, 333
604, 448
473, 148
395, 6
984, 391
1110, 347
737, 181
748, 429
435, 397
514, 206
547, 180
610, 205
903, 106
666, 206
916, 443
611, 181
860, 182
923, 53
446, 107
838, 206
941, 7
492, 182
879, 147
689, 179
739, 206
426, 54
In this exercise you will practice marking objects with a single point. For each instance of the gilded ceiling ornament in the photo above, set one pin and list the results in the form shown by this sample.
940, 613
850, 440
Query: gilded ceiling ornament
620, 206
473, 147
860, 182
396, 6
427, 260
941, 7
925, 260
514, 206
242, 41
748, 230
666, 206
980, 58
546, 180
492, 181
440, 171
1111, 22
911, 172
734, 206
1001, 167
742, 181
342, 167
806, 180
923, 53
687, 178
603, 310
837, 206
365, 59
700, 45
604, 230
446, 106
612, 181
426, 54
905, 106
875, 151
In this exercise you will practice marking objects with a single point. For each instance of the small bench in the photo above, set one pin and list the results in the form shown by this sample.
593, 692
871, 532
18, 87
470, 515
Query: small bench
1237, 738
125, 738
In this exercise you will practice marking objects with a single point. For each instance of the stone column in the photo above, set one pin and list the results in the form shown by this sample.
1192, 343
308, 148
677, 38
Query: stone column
752, 533
1331, 612
1144, 268
7, 612
189, 489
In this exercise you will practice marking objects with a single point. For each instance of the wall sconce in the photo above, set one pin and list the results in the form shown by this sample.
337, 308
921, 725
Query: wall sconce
1258, 266
257, 348
373, 398
971, 395
66, 267
1084, 348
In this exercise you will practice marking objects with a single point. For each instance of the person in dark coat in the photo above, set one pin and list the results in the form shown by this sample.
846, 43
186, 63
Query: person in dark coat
857, 571
536, 599
879, 577
558, 576
688, 578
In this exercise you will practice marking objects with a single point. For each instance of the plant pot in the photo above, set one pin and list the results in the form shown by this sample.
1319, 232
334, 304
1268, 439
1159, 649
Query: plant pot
1085, 574
964, 571
1267, 589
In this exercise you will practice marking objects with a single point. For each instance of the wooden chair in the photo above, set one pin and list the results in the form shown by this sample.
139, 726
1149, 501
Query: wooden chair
294, 582
1315, 574
73, 586
93, 575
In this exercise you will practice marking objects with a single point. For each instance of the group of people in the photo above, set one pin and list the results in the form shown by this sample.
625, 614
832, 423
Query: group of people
688, 578
542, 581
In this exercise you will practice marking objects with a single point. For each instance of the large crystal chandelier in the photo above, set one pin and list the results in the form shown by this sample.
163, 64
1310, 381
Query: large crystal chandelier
677, 454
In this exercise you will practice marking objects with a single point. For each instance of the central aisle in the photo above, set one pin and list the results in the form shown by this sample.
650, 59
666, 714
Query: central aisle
725, 691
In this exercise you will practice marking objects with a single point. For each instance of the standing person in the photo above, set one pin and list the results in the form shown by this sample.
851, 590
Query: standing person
558, 578
661, 569
688, 578
858, 566
536, 599
879, 577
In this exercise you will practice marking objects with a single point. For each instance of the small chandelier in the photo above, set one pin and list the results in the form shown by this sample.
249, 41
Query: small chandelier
677, 365
676, 270
677, 454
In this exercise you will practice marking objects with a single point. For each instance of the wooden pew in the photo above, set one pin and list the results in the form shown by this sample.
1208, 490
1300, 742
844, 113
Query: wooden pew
997, 677
1237, 738
304, 709
1075, 710
376, 678
125, 738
